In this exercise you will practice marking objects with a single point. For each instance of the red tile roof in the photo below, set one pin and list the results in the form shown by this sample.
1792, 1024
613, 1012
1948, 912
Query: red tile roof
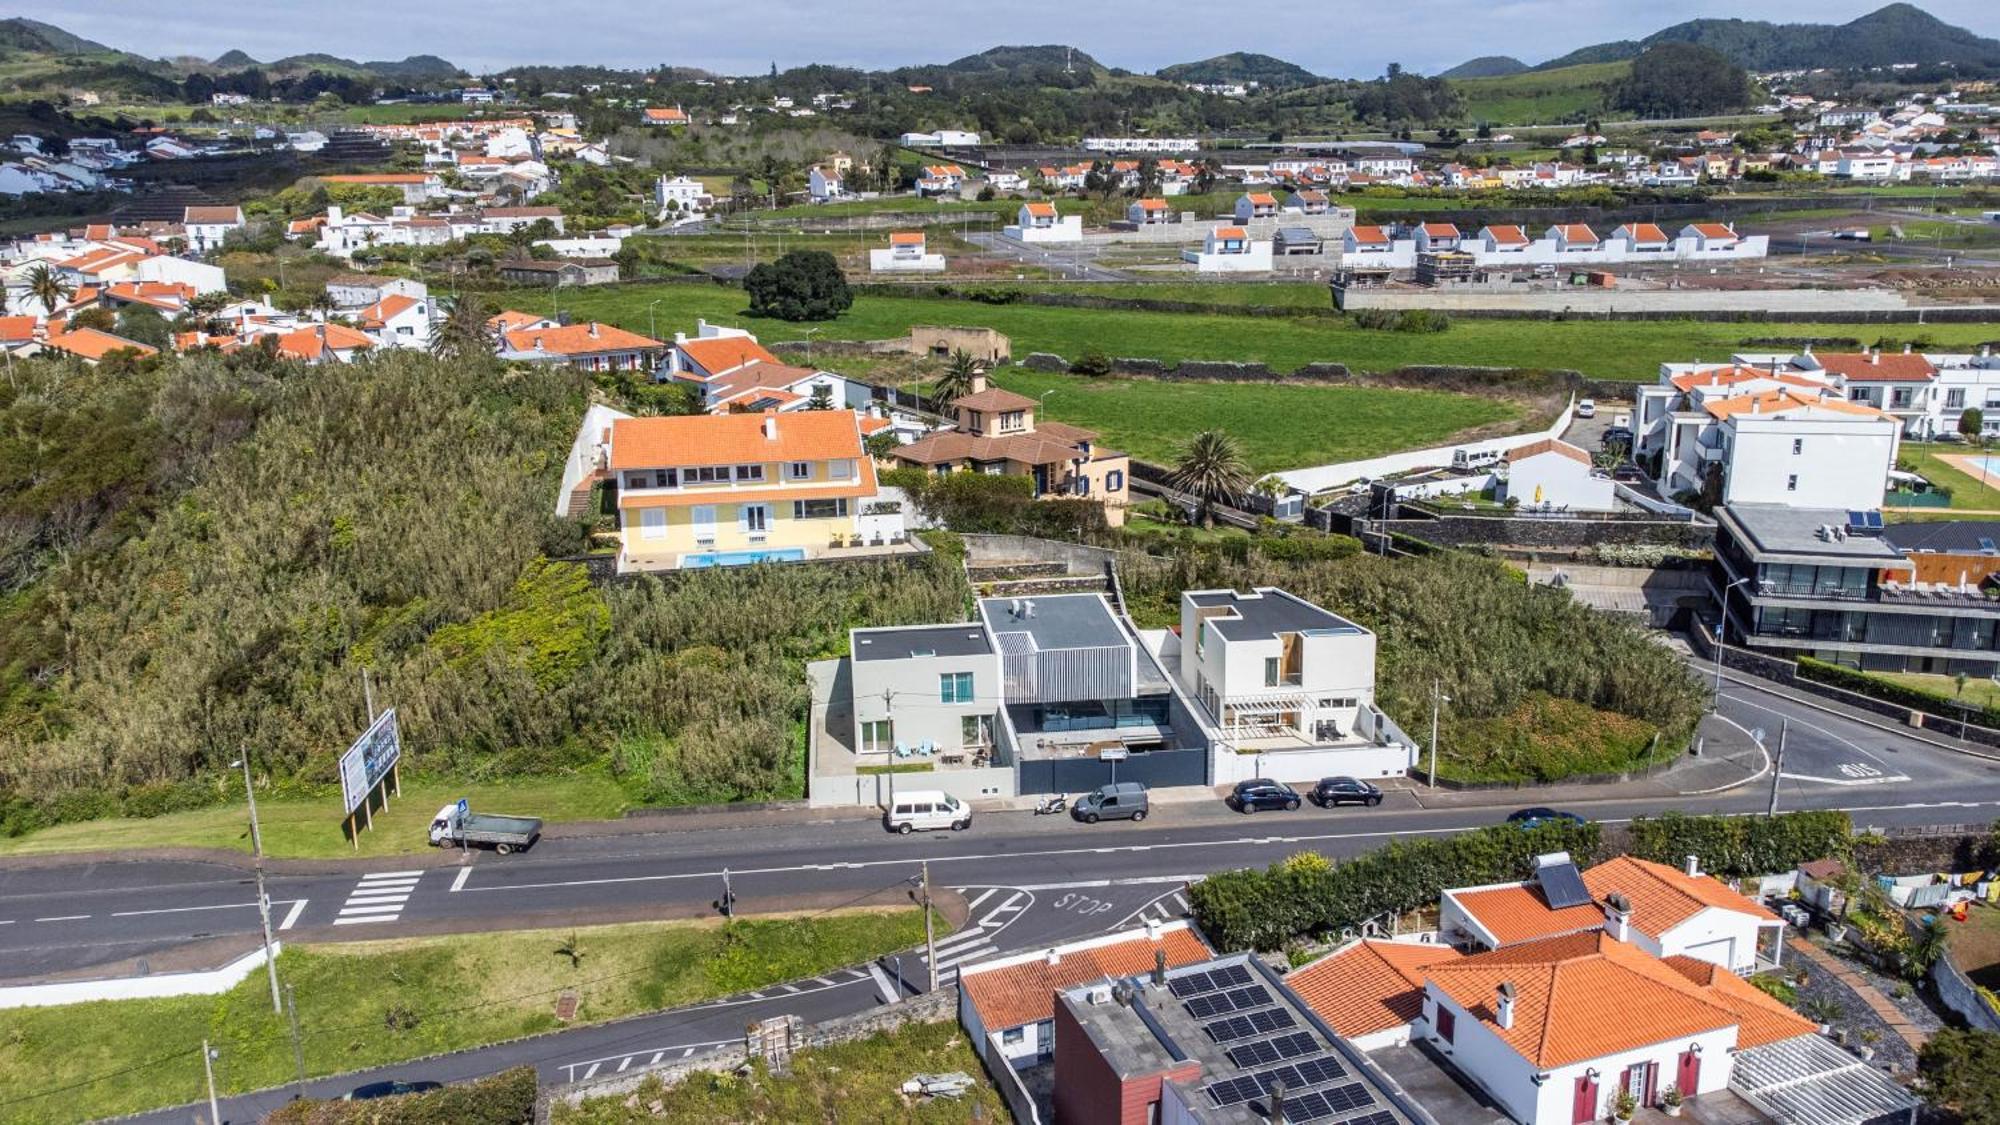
1230, 232
1370, 236
1040, 210
906, 238
1369, 986
1663, 897
1508, 236
727, 439
1575, 232
1013, 995
717, 354
1647, 233
1878, 367
1714, 231
1517, 912
1262, 199
578, 339
93, 344
16, 329
316, 340
1761, 1018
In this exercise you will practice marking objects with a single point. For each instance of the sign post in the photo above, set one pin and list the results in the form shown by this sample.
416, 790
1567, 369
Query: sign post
364, 767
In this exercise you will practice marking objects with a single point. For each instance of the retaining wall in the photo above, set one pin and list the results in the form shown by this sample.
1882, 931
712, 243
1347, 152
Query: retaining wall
1959, 994
1523, 532
211, 983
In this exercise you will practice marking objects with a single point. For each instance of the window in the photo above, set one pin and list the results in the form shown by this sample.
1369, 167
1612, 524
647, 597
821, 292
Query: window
1954, 398
703, 517
955, 687
653, 523
878, 735
818, 509
755, 518
749, 472
637, 480
1114, 481
975, 731
1271, 669
842, 469
1798, 446
1012, 420
1447, 1023
708, 474
1792, 483
1083, 486
799, 470
1013, 1036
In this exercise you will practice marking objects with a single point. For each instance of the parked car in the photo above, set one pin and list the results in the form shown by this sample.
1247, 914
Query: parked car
1538, 816
1123, 800
389, 1089
1333, 791
1263, 793
1616, 435
1628, 473
927, 810
1587, 408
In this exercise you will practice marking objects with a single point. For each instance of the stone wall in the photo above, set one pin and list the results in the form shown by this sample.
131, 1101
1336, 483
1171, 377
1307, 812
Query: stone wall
1078, 560
1518, 532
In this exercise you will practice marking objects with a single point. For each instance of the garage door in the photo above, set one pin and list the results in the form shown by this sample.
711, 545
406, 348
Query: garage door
1719, 952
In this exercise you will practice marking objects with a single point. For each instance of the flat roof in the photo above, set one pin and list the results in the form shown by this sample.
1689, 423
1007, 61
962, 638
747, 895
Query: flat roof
1958, 537
1057, 621
1266, 612
904, 643
1778, 529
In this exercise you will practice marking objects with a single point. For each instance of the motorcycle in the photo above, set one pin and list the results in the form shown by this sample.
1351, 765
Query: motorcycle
1050, 805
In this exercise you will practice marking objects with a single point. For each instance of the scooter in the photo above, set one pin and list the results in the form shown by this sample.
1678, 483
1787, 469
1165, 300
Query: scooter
1052, 804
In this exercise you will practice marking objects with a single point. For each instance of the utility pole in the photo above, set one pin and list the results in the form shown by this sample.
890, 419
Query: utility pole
368, 694
263, 899
930, 937
1778, 765
1438, 699
298, 1044
208, 1071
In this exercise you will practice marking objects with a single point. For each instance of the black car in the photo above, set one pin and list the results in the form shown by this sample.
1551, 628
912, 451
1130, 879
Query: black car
1538, 816
390, 1089
1263, 793
1333, 791
1616, 435
1628, 473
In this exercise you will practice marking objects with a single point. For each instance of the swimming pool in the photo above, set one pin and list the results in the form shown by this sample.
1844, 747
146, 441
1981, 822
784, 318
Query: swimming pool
1990, 466
742, 558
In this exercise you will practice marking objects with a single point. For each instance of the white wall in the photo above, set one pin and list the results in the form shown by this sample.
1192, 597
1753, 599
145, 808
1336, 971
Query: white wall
836, 790
1256, 260
1841, 464
585, 452
1308, 766
211, 983
888, 261
913, 702
163, 268
1545, 251
1067, 228
1323, 477
1708, 926
1563, 481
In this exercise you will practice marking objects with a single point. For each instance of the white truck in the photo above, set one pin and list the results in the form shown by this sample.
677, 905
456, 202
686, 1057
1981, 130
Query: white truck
457, 826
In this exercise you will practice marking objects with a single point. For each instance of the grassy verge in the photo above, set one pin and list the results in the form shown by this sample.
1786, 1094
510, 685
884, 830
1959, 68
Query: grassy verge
857, 1081
1968, 490
1979, 691
1627, 351
1544, 739
371, 1003
310, 827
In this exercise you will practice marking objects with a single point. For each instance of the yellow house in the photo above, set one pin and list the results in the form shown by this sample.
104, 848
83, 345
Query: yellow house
729, 489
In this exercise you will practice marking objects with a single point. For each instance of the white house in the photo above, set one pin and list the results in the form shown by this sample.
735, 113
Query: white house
825, 184
905, 253
206, 227
1376, 246
1038, 222
1256, 205
397, 321
1287, 688
1149, 212
686, 194
1552, 473
1230, 249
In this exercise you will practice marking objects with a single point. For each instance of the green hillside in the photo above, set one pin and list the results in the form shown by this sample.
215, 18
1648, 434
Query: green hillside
1239, 66
1899, 33
1486, 66
1540, 97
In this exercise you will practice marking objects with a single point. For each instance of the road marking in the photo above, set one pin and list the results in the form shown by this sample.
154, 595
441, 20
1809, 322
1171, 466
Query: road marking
376, 900
961, 938
966, 954
983, 896
626, 1063
1843, 780
393, 875
292, 915
359, 921
882, 986
464, 873
756, 996
593, 1070
391, 909
64, 918
186, 909
686, 1053
1136, 881
380, 897
655, 1060
789, 987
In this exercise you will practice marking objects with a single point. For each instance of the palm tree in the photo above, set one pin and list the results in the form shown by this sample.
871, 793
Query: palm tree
49, 287
957, 378
463, 334
1210, 469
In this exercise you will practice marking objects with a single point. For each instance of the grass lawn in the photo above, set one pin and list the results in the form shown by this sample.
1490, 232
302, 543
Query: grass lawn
1622, 351
369, 1003
1975, 945
1979, 691
1279, 426
1540, 96
302, 828
1968, 491
857, 1081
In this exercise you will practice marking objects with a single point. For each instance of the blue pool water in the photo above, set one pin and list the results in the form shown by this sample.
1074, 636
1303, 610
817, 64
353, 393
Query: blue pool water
1989, 465
742, 558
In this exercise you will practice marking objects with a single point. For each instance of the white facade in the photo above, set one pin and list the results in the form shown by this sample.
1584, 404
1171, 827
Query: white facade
923, 685
1488, 250
588, 246
907, 256
166, 268
1555, 478
1039, 223
1808, 459
687, 194
825, 184
1230, 250
1141, 144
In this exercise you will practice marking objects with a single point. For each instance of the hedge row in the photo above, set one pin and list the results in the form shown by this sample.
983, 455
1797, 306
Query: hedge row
507, 1098
1889, 691
1739, 846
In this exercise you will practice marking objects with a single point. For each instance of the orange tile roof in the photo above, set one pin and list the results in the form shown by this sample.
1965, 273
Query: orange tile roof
729, 439
509, 319
1511, 236
578, 339
994, 400
1580, 997
1441, 230
1575, 232
1781, 401
90, 343
212, 215
100, 259
751, 376
1040, 210
1517, 912
1663, 897
1878, 367
1761, 1018
1261, 199
1152, 204
168, 295
1369, 986
382, 178
16, 329
1013, 995
1547, 445
1230, 232
1646, 232
906, 238
386, 309
1370, 235
717, 354
309, 343
1713, 230
667, 113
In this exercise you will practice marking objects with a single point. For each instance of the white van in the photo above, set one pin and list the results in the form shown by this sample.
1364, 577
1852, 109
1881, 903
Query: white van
926, 810
1475, 458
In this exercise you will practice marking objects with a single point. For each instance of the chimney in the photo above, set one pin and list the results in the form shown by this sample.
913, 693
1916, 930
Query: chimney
593, 330
1875, 356
770, 425
1277, 1114
978, 382
1503, 1006
1618, 916
1906, 349
1152, 929
1159, 957
1052, 956
1693, 867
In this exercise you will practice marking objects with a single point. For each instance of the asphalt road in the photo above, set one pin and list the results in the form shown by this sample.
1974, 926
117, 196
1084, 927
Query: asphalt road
1029, 881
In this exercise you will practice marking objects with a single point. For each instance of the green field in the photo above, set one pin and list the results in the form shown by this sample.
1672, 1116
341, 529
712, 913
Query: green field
310, 827
1280, 426
1540, 97
1979, 691
364, 1004
1968, 492
1619, 351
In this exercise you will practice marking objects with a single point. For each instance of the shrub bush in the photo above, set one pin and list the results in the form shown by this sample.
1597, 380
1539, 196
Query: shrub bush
507, 1098
1739, 846
1890, 691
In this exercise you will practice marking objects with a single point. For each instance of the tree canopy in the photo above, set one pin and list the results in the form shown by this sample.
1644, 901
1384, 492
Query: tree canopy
802, 285
1682, 80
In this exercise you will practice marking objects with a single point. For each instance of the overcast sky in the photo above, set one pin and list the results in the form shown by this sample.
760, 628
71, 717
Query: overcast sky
1347, 38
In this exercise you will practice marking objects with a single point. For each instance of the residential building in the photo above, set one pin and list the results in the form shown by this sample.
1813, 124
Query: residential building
1287, 241
359, 290
905, 253
1288, 688
397, 321
1256, 205
729, 489
1230, 249
92, 346
1375, 247
1310, 201
1436, 237
323, 343
507, 220
1141, 144
1038, 222
1553, 475
559, 273
1150, 212
417, 187
997, 432
681, 196
664, 115
206, 227
590, 347
947, 679
825, 184
940, 179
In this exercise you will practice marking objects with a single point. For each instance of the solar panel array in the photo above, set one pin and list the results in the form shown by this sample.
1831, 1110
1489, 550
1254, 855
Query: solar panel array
1264, 1052
1235, 1000
1262, 1022
1562, 886
1197, 984
1295, 1076
1317, 1104
1379, 1117
1864, 521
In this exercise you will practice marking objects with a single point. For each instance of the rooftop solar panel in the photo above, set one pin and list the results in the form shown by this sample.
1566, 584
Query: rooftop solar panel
1231, 976
1264, 1052
1193, 984
1297, 1076
1256, 1023
1221, 1003
1563, 886
1317, 1104
1379, 1117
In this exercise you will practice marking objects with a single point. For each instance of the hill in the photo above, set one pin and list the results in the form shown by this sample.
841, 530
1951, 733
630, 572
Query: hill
1486, 66
999, 60
416, 68
1563, 96
1899, 33
20, 34
1241, 66
233, 60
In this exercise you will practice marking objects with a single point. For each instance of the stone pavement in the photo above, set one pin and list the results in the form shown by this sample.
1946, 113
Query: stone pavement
1877, 1003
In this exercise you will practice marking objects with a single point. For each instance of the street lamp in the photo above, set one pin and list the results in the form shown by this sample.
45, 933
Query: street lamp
810, 332
1722, 631
263, 900
1438, 700
650, 329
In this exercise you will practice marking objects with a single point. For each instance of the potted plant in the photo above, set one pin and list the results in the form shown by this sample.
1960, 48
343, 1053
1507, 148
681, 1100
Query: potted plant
1868, 1036
1823, 1010
1624, 1105
1671, 1100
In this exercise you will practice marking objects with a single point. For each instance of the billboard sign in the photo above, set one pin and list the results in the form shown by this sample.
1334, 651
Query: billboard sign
368, 761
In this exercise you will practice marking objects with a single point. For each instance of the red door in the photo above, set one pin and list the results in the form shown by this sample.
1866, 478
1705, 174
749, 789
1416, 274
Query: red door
1586, 1101
1652, 1085
1688, 1080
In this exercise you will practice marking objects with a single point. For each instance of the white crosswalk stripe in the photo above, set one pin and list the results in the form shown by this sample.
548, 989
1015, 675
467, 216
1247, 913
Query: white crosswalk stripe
380, 897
